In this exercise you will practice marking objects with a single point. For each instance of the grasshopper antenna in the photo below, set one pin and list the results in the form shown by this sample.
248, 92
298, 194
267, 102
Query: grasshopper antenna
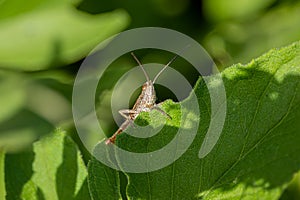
157, 75
172, 60
140, 64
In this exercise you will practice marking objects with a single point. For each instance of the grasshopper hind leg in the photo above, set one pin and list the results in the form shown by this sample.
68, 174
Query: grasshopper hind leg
126, 113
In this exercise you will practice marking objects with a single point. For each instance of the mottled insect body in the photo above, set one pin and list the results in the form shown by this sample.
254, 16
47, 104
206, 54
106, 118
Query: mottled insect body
144, 103
146, 99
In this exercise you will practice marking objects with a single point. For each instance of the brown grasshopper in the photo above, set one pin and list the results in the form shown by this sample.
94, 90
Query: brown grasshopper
144, 103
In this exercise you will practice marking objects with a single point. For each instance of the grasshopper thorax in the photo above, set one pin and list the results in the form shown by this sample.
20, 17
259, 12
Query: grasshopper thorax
148, 92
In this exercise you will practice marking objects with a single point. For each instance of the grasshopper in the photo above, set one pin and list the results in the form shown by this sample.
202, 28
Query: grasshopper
144, 103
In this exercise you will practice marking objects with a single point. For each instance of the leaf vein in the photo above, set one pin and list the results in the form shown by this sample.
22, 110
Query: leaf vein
255, 145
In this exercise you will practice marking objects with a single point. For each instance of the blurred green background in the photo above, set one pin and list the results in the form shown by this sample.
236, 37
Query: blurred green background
43, 43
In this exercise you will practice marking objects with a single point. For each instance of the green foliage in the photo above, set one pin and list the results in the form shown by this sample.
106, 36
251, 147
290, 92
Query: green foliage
256, 155
51, 169
38, 35
241, 40
51, 33
2, 185
293, 190
104, 182
30, 106
233, 9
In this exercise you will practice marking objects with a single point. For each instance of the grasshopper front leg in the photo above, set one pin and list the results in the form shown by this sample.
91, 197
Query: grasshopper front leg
126, 113
156, 107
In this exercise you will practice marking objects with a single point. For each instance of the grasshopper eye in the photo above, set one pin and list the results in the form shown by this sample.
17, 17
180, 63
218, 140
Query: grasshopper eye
144, 87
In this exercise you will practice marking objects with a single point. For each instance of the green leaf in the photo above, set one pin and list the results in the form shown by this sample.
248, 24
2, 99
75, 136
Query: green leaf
22, 129
233, 9
293, 190
18, 172
12, 94
48, 34
235, 41
2, 180
256, 154
103, 181
52, 169
24, 115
